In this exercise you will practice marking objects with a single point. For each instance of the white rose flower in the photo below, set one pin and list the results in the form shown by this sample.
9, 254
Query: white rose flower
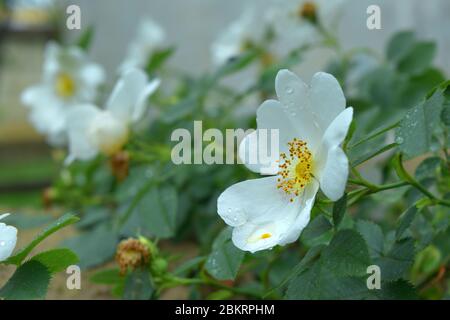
68, 78
92, 130
245, 31
298, 22
149, 38
8, 239
312, 123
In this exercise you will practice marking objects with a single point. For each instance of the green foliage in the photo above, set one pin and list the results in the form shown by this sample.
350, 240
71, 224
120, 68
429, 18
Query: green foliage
56, 260
94, 247
30, 281
420, 125
138, 286
388, 216
225, 259
60, 223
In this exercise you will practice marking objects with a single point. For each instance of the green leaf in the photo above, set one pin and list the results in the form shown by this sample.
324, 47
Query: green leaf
158, 211
85, 40
445, 115
60, 223
181, 109
28, 221
347, 254
225, 259
319, 283
109, 276
236, 64
310, 257
56, 260
138, 286
373, 235
371, 154
416, 130
158, 58
339, 209
317, 227
94, 247
188, 266
396, 290
400, 45
428, 168
30, 281
419, 58
405, 221
397, 261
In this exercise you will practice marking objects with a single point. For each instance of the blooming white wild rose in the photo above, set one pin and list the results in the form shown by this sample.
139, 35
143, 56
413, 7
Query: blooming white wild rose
93, 130
8, 239
149, 38
68, 78
312, 123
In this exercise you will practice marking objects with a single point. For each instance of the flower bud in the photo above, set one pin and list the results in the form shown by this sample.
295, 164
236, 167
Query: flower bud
131, 254
308, 11
119, 163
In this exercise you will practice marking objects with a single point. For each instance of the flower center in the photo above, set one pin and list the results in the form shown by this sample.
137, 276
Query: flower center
295, 169
65, 85
308, 11
107, 133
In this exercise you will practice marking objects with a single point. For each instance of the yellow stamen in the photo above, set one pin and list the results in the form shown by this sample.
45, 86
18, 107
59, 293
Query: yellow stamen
65, 85
265, 235
296, 169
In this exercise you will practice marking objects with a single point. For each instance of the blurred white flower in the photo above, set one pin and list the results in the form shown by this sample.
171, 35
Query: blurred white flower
312, 123
69, 77
235, 38
92, 130
302, 22
8, 239
149, 38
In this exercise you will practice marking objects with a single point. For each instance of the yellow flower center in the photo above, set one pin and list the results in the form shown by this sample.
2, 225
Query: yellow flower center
308, 11
65, 85
266, 236
296, 169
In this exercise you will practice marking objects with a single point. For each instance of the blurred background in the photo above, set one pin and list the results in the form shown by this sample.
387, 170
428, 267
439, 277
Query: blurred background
26, 25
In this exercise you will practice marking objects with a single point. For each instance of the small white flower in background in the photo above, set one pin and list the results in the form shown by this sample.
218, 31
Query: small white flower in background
69, 77
8, 239
244, 32
298, 22
93, 130
149, 38
312, 123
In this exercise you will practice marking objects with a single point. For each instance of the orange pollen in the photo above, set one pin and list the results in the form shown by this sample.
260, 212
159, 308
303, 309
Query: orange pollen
295, 169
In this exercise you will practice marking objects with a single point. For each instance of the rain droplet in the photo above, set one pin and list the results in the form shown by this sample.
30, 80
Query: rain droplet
289, 90
2, 243
399, 140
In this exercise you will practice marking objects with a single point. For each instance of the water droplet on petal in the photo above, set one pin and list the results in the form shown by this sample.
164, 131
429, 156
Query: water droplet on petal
2, 243
399, 140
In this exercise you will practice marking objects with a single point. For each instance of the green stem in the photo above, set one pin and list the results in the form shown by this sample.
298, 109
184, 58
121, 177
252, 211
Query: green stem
374, 135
